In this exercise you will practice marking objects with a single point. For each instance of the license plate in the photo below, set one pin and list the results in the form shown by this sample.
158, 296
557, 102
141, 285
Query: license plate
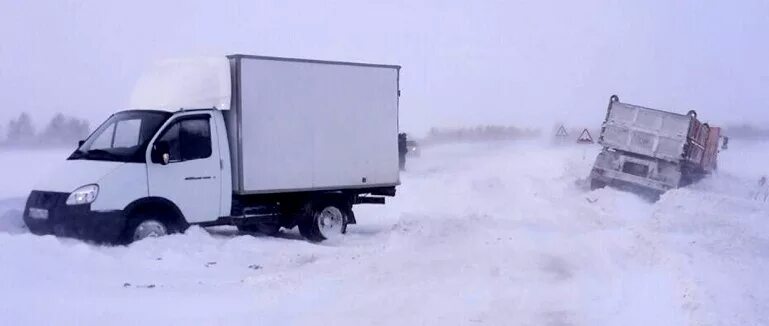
38, 213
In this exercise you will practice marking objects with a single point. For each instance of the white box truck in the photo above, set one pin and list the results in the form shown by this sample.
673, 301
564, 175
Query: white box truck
252, 141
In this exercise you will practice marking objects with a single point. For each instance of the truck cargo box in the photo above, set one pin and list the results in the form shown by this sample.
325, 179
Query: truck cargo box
298, 125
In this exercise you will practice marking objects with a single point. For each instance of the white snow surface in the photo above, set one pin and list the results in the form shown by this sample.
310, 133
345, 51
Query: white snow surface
479, 234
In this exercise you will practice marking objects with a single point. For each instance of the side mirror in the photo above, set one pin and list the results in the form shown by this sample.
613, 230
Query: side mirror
160, 153
80, 143
725, 144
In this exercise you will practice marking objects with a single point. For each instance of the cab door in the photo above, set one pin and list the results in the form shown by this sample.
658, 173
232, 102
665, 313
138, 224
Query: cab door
190, 174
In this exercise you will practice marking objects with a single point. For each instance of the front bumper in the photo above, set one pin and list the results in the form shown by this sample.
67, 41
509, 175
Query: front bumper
77, 221
623, 180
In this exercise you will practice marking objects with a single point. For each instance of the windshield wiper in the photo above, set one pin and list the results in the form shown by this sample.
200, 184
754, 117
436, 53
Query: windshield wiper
98, 154
76, 155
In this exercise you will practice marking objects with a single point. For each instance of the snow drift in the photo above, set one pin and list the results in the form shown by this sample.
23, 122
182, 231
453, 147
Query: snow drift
496, 234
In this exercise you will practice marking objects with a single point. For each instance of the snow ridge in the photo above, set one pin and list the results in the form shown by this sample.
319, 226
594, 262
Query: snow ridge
494, 234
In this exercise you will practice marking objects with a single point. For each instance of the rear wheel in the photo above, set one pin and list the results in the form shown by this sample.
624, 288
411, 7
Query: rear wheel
325, 221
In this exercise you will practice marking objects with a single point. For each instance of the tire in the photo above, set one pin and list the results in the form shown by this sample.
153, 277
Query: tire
324, 221
597, 184
650, 195
261, 228
142, 226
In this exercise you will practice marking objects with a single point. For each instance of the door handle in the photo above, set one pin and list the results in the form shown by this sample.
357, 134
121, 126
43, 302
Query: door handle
197, 178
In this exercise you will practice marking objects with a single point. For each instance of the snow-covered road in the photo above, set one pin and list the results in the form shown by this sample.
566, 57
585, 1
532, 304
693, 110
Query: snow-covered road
482, 234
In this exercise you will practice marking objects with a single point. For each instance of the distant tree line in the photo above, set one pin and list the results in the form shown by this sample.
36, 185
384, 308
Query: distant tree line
479, 133
61, 130
746, 131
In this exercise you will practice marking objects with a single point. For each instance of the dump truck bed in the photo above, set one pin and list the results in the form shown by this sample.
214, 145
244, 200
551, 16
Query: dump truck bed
644, 131
652, 151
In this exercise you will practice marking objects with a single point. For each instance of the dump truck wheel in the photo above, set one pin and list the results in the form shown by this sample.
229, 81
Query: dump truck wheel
597, 184
650, 195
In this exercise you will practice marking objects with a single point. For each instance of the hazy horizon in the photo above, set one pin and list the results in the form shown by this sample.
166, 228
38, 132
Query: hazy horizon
526, 63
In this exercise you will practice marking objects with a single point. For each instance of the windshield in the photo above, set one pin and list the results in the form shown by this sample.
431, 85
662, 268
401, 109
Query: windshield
122, 138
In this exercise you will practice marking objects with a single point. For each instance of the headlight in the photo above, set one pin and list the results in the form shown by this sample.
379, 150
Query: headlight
83, 195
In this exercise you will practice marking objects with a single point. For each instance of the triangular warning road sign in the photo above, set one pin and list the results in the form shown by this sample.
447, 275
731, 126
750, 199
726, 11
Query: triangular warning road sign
561, 132
585, 138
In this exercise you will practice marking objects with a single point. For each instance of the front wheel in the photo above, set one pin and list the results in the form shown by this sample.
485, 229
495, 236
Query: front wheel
328, 221
149, 229
147, 226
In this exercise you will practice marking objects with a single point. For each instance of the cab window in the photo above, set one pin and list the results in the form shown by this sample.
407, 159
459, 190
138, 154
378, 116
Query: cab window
188, 139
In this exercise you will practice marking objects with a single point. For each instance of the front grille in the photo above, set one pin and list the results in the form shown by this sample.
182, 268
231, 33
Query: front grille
70, 221
46, 200
636, 169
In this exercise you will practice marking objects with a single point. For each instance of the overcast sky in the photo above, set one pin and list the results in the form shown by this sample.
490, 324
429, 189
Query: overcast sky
527, 63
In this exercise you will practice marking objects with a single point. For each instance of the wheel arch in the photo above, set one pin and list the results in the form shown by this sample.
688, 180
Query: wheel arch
170, 210
336, 197
344, 200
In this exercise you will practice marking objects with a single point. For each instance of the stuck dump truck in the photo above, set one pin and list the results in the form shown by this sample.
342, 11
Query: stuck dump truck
651, 151
252, 141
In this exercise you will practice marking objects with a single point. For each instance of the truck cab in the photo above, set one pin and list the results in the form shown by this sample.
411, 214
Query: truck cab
138, 162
